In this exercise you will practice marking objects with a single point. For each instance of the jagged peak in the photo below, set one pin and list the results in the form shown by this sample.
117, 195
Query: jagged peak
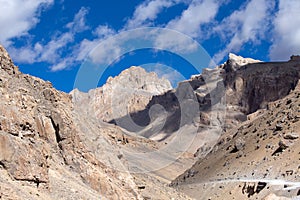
136, 71
4, 53
136, 77
6, 62
234, 62
241, 60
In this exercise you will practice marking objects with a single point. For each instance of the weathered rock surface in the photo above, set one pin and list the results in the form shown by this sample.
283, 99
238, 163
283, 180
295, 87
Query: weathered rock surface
129, 92
261, 151
49, 151
202, 108
59, 146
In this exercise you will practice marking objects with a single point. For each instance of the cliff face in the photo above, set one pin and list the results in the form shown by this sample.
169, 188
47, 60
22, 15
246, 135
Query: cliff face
256, 160
41, 147
253, 85
126, 93
49, 151
91, 145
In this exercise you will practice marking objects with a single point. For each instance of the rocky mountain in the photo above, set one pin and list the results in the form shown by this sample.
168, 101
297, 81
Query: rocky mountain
230, 132
258, 159
50, 151
134, 87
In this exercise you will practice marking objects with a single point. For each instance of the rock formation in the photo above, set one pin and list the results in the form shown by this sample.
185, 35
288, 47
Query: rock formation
258, 158
232, 131
129, 92
48, 151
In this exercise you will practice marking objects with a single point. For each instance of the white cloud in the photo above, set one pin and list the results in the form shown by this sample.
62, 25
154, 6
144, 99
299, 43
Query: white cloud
79, 22
249, 24
286, 31
108, 51
17, 17
51, 52
63, 64
23, 54
103, 31
198, 13
170, 40
85, 47
190, 22
148, 11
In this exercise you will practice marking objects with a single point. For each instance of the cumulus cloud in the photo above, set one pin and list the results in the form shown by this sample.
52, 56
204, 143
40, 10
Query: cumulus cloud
249, 24
84, 48
17, 17
190, 22
79, 22
147, 12
51, 52
286, 39
198, 13
170, 40
108, 52
104, 31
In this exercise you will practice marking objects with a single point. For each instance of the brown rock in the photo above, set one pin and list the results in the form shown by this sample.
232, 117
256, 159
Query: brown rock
291, 136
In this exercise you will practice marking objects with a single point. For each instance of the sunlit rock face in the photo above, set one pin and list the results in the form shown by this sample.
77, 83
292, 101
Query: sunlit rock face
48, 150
240, 119
129, 92
255, 159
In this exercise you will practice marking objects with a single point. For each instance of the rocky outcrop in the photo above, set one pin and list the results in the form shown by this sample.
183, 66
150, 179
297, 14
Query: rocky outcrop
261, 150
254, 85
49, 151
235, 62
126, 93
59, 146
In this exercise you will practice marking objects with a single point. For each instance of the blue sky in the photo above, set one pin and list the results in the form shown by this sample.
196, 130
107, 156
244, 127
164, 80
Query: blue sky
53, 39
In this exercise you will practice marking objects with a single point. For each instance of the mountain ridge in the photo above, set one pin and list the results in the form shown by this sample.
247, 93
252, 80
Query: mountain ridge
80, 145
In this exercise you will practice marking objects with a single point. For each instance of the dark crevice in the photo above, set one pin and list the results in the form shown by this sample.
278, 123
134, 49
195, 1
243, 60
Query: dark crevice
36, 181
2, 165
260, 186
234, 150
279, 150
250, 190
56, 128
141, 187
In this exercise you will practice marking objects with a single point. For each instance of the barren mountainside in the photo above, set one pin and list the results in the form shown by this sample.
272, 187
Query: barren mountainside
48, 151
228, 133
258, 159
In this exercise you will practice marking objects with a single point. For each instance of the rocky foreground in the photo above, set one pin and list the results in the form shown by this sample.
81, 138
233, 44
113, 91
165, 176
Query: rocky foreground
49, 151
258, 159
230, 132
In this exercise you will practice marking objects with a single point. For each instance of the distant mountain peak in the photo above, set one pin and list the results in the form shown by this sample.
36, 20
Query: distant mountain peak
138, 78
234, 62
